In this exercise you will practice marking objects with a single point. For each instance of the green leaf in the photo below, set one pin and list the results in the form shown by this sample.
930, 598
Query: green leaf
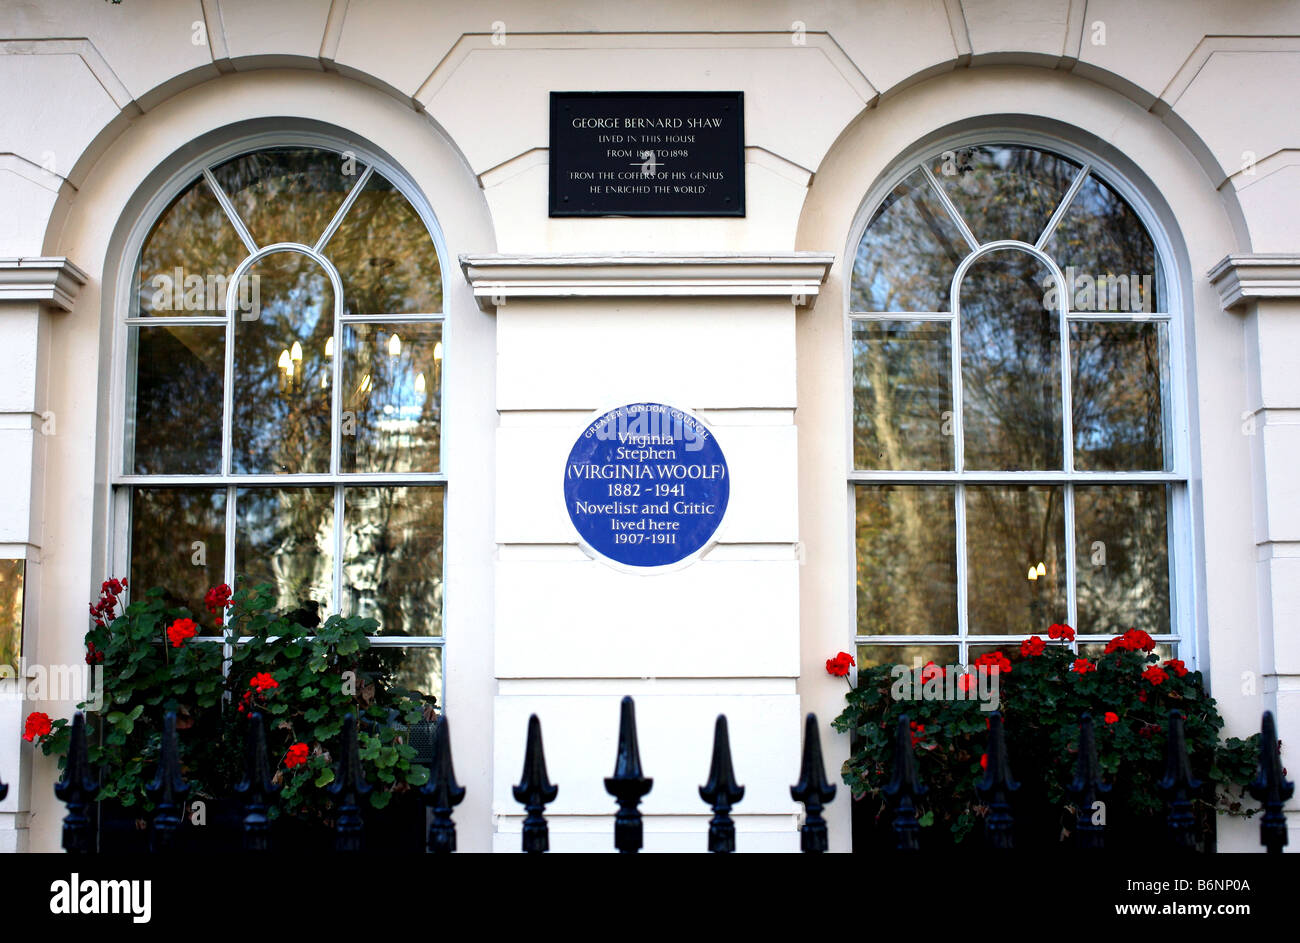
325, 778
380, 799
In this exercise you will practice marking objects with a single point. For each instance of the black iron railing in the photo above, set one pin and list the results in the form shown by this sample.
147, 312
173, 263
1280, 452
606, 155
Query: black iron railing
628, 786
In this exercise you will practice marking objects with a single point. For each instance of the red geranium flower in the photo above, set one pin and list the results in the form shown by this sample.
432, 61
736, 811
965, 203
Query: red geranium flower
296, 756
1060, 630
840, 664
1155, 675
1176, 666
1083, 666
1032, 646
217, 598
1111, 717
984, 761
1133, 640
180, 630
38, 725
966, 681
994, 660
263, 682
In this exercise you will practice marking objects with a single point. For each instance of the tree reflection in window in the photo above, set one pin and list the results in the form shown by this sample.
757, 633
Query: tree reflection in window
1011, 409
285, 335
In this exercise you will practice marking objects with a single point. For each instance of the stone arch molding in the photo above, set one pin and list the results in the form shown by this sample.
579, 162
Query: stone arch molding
461, 69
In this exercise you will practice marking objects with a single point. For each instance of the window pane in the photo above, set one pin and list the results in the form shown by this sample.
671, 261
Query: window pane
907, 567
908, 254
418, 670
287, 194
392, 377
281, 422
178, 542
11, 612
385, 256
285, 537
1015, 542
1118, 377
173, 420
187, 257
869, 656
1011, 365
1123, 559
1100, 237
902, 395
392, 558
1004, 192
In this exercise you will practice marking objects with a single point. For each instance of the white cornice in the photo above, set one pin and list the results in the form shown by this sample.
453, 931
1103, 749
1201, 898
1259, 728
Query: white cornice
41, 278
794, 275
1241, 278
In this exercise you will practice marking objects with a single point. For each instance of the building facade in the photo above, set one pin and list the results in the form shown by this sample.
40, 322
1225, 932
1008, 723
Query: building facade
1003, 269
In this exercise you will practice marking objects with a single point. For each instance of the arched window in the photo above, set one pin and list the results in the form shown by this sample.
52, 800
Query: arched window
282, 406
1015, 456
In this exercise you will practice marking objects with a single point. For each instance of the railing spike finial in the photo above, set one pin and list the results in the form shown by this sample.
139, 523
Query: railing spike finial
721, 791
1086, 786
167, 790
904, 789
76, 789
348, 789
1271, 788
4, 790
442, 793
813, 790
996, 788
256, 789
1177, 785
627, 785
535, 791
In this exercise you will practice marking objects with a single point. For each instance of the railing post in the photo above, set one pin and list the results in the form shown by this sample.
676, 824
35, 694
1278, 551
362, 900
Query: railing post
721, 791
535, 791
168, 790
903, 789
627, 785
1271, 788
77, 791
813, 791
1177, 785
1085, 788
996, 788
348, 789
442, 793
257, 788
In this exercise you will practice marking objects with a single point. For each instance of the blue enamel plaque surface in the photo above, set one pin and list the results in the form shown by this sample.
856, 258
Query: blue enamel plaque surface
646, 485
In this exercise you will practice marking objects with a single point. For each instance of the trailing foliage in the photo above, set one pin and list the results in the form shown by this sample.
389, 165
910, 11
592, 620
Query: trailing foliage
305, 681
1042, 690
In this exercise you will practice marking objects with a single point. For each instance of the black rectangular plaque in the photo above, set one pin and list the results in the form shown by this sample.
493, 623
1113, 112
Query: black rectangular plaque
647, 154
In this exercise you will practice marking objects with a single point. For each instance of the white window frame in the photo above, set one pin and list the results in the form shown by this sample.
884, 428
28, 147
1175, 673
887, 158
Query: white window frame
121, 484
1183, 550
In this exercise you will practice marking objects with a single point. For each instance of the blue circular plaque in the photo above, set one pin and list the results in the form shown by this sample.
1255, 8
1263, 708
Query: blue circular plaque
646, 485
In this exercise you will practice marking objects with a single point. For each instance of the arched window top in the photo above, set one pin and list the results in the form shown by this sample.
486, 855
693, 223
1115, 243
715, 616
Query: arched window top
332, 202
959, 200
